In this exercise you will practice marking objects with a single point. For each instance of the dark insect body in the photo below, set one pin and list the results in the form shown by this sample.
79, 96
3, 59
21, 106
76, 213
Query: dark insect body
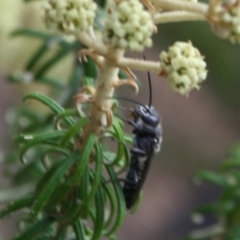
147, 132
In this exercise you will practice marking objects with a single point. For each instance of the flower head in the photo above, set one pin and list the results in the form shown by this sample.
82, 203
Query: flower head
129, 26
69, 16
224, 16
183, 66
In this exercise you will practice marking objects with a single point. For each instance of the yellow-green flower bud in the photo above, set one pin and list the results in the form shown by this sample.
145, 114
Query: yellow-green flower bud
129, 26
69, 16
183, 66
224, 16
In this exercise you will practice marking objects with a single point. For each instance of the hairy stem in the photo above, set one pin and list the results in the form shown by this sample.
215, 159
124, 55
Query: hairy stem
138, 64
101, 114
95, 44
200, 8
177, 16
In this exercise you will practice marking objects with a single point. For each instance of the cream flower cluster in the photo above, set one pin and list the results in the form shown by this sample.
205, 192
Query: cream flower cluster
129, 26
69, 16
183, 66
224, 15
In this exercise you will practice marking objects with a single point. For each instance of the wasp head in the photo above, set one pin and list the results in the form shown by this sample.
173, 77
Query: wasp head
147, 114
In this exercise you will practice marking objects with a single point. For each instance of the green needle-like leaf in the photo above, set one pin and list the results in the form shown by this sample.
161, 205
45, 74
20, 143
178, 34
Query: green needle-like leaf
53, 60
31, 33
48, 138
79, 230
17, 205
73, 131
137, 204
212, 177
68, 113
55, 83
54, 106
39, 137
82, 163
206, 209
35, 229
53, 182
99, 221
83, 193
119, 135
230, 163
121, 210
56, 150
37, 56
96, 179
97, 173
110, 193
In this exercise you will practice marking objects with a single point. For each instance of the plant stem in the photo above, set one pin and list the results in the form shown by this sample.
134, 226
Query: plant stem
138, 64
100, 114
95, 44
177, 16
200, 8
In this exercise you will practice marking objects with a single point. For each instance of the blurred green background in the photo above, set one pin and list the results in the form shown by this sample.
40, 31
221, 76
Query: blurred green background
197, 130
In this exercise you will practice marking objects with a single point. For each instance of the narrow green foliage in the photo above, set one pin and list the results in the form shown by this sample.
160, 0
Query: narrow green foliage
59, 194
119, 136
38, 227
53, 182
55, 107
17, 205
37, 55
121, 208
70, 185
87, 81
39, 137
96, 179
206, 209
96, 175
61, 235
81, 165
110, 194
79, 230
212, 177
32, 170
73, 131
48, 138
31, 33
52, 61
57, 149
226, 209
68, 113
99, 220
55, 83
230, 163
137, 204
83, 193
90, 69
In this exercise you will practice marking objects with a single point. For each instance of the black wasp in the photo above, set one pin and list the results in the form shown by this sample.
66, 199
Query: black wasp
147, 132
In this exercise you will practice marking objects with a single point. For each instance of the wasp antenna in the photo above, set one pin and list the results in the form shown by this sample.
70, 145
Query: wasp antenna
150, 90
150, 85
130, 100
